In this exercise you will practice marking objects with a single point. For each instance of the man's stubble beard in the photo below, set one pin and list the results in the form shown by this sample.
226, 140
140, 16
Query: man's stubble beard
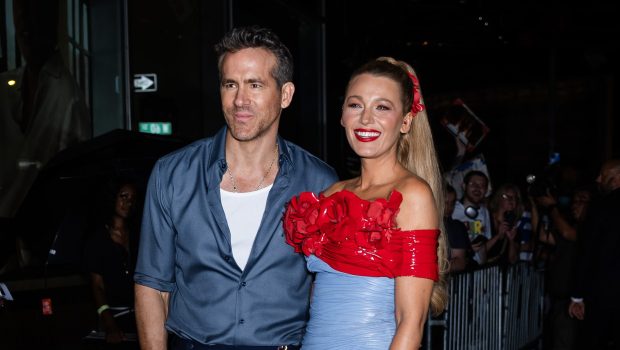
253, 132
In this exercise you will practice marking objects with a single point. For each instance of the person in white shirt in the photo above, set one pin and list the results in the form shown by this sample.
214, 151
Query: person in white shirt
472, 211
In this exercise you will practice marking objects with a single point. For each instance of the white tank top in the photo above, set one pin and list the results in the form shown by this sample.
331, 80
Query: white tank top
244, 213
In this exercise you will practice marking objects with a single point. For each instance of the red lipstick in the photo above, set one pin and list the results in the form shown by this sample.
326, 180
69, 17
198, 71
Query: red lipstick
366, 135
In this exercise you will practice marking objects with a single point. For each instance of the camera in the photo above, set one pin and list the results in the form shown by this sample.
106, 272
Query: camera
543, 184
479, 239
539, 186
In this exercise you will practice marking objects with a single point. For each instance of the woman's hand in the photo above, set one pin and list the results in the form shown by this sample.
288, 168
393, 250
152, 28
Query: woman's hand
511, 233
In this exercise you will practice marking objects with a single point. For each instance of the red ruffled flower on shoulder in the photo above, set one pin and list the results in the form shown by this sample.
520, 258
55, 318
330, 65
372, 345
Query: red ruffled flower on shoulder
359, 237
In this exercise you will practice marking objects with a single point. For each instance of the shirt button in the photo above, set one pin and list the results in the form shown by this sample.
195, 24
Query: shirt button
226, 257
243, 284
241, 321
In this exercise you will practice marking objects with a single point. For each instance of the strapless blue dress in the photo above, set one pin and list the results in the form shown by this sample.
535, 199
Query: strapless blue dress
349, 311
356, 251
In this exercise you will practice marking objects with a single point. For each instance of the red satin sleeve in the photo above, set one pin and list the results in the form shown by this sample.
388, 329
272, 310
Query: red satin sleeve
419, 254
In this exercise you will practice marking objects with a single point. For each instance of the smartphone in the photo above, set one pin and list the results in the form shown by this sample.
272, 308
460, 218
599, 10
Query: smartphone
479, 239
509, 218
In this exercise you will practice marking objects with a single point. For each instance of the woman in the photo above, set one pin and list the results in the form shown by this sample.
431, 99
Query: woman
110, 257
506, 210
374, 240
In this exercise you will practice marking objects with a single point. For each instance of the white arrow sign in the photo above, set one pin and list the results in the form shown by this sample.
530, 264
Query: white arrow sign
145, 82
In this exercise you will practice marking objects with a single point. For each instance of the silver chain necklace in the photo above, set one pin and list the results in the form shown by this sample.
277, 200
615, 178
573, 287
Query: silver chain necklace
260, 184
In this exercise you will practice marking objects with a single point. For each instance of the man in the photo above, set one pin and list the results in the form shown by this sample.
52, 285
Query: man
562, 329
475, 215
596, 293
213, 268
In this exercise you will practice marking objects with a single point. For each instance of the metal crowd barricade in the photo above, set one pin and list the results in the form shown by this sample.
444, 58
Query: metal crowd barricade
490, 308
523, 306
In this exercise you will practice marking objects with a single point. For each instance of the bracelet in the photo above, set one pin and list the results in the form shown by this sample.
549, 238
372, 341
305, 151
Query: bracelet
102, 308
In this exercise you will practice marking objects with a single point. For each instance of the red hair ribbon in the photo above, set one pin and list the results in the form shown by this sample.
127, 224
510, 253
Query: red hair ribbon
416, 106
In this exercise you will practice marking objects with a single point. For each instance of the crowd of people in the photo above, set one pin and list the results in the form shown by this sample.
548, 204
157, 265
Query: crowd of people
570, 233
499, 224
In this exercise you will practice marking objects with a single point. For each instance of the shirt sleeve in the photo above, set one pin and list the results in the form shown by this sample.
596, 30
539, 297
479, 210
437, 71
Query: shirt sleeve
457, 234
155, 264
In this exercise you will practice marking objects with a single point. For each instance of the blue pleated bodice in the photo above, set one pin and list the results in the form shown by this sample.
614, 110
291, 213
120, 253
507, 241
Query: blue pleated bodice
348, 311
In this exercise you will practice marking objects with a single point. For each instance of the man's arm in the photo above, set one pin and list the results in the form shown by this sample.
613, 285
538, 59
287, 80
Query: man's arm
151, 313
559, 222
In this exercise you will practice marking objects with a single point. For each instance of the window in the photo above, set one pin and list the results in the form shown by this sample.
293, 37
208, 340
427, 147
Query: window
78, 54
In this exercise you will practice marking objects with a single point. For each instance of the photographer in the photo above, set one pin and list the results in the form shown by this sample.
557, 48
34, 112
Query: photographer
506, 209
561, 225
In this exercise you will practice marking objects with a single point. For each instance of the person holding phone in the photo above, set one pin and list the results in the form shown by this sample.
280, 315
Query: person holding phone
506, 208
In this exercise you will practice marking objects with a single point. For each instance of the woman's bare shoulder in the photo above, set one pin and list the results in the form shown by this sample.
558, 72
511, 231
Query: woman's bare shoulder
413, 186
417, 210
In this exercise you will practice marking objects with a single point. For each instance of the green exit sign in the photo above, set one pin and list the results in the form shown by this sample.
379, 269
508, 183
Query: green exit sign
158, 128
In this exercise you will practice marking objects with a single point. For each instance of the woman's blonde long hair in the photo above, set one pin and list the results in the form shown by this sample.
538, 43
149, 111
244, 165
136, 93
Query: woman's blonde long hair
416, 152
